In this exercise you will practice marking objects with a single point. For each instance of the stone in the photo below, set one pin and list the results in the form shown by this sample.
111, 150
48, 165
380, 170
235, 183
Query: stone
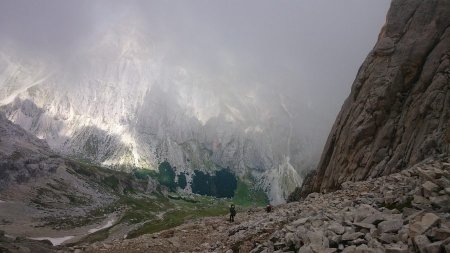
300, 222
327, 250
389, 197
290, 239
364, 225
336, 228
439, 234
358, 241
374, 219
417, 199
364, 249
390, 226
447, 190
441, 201
388, 238
305, 249
421, 241
349, 249
352, 236
435, 247
363, 211
443, 182
318, 239
428, 188
419, 227
396, 248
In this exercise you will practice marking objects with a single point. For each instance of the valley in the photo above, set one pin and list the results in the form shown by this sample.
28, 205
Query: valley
155, 123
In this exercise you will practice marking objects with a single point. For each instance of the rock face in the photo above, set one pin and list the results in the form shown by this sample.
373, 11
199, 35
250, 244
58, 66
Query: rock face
398, 112
130, 109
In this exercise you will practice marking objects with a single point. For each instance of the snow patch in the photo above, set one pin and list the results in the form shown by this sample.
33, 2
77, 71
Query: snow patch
107, 225
55, 241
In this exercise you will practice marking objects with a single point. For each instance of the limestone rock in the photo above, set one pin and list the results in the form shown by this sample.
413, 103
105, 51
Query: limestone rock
390, 226
421, 241
352, 236
336, 228
398, 111
427, 221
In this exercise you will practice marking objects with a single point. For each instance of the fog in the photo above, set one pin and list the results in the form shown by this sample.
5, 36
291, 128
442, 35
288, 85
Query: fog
308, 51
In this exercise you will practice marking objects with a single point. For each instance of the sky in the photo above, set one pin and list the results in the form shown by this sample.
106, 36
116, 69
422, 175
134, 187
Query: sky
308, 49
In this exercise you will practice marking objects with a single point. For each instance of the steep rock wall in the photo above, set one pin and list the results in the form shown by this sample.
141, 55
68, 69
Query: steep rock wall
398, 111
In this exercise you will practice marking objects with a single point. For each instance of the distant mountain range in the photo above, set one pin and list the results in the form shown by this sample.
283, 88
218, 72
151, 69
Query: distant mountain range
121, 105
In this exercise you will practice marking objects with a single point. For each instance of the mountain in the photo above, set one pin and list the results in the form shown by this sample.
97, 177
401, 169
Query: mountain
398, 111
48, 197
395, 213
121, 104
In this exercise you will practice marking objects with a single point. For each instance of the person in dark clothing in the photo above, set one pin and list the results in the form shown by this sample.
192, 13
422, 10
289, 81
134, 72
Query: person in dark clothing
232, 213
269, 208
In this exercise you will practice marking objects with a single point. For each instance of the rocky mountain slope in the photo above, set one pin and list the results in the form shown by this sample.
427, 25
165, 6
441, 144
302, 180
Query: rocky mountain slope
120, 104
39, 189
50, 198
403, 212
398, 111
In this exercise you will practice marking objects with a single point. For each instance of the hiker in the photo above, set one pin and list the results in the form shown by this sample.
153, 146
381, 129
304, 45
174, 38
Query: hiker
232, 212
269, 208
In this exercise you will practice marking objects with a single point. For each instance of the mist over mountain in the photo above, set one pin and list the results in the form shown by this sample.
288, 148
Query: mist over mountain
249, 87
182, 126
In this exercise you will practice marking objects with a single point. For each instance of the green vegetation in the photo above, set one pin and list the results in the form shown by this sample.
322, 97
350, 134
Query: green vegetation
178, 210
166, 176
246, 195
158, 212
111, 181
182, 183
222, 185
142, 174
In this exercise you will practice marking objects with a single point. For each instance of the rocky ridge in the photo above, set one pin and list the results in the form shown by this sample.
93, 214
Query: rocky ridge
129, 109
398, 111
403, 212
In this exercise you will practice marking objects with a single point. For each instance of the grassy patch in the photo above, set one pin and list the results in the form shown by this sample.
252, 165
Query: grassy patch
111, 181
246, 195
178, 210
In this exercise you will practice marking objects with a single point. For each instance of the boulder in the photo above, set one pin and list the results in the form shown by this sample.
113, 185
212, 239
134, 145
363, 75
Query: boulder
442, 202
435, 247
352, 236
367, 226
429, 188
374, 219
336, 228
388, 238
419, 227
396, 248
300, 222
305, 249
439, 234
390, 226
420, 242
364, 211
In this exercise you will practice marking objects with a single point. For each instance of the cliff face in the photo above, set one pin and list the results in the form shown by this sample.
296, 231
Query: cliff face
398, 111
120, 105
